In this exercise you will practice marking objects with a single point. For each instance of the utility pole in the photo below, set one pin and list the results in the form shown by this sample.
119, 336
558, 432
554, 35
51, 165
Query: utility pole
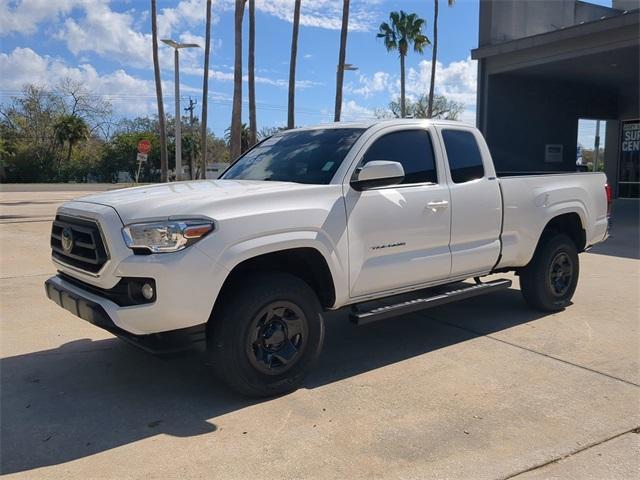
192, 164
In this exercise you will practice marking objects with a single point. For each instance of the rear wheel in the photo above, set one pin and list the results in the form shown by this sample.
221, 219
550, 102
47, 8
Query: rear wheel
266, 335
549, 281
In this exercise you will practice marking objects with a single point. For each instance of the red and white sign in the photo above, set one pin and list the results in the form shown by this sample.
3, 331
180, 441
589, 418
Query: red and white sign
144, 146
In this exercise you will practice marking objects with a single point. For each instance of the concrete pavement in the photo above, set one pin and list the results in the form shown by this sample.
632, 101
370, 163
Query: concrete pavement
481, 389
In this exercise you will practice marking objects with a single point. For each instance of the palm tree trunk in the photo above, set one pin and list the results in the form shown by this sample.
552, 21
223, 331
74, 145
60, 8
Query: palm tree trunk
292, 65
164, 166
253, 129
236, 114
403, 111
434, 58
69, 152
341, 59
205, 94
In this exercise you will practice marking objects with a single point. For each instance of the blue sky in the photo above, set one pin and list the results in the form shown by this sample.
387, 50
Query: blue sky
106, 45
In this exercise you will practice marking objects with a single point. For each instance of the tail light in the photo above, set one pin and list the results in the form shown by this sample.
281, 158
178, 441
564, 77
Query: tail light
609, 193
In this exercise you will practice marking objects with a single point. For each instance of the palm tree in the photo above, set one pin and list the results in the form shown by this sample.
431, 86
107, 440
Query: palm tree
70, 129
405, 29
245, 135
434, 56
164, 163
205, 94
236, 113
292, 64
341, 58
253, 129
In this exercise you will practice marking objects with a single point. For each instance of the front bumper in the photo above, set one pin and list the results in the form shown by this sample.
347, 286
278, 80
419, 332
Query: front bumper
82, 305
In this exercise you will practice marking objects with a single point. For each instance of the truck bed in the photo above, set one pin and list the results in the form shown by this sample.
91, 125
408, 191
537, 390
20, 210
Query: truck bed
526, 195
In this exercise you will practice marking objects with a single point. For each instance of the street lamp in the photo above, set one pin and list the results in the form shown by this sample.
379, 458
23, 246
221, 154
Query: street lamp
176, 47
339, 80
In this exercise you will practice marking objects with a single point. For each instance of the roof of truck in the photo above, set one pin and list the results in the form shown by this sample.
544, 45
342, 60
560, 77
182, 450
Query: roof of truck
383, 122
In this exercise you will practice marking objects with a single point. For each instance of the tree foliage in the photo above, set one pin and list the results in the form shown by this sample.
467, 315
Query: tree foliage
442, 108
67, 134
401, 32
70, 130
245, 137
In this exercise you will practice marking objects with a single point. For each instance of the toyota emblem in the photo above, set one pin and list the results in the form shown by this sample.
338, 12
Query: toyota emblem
67, 240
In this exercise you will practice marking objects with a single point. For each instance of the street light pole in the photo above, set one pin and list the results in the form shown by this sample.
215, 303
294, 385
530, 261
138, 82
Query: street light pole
178, 116
176, 58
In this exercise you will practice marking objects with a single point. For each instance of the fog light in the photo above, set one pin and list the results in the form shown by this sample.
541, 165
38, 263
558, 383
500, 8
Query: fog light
147, 291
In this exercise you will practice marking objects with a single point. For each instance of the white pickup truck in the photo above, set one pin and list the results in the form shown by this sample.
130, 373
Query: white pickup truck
316, 219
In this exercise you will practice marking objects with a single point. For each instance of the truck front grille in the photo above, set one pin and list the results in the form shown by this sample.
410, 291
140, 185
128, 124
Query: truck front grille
77, 242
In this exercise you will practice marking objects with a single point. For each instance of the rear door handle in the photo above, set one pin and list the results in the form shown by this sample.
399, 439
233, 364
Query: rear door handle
434, 206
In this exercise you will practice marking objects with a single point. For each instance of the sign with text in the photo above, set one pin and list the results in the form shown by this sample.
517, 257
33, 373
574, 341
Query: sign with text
553, 153
629, 175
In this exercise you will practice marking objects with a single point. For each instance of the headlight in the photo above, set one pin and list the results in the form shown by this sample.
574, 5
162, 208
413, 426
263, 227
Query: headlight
163, 237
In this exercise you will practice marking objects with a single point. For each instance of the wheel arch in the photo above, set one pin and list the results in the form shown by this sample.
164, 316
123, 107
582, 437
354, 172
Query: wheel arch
306, 263
570, 224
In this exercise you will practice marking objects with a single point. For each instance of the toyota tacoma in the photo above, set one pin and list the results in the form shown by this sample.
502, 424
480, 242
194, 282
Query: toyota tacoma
316, 219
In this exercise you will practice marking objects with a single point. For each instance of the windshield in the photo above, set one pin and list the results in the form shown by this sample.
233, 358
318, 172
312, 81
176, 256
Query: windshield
304, 156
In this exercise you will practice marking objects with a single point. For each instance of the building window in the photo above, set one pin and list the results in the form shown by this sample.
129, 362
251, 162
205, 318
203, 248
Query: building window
465, 160
411, 148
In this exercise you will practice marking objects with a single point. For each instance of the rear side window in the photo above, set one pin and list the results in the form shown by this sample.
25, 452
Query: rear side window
411, 148
465, 161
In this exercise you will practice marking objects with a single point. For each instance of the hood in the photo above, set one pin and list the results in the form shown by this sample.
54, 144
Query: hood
191, 198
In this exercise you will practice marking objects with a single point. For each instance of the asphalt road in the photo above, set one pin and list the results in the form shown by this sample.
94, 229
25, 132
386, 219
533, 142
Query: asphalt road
483, 389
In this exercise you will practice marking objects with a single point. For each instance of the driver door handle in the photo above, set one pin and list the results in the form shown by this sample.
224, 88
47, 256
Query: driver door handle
435, 206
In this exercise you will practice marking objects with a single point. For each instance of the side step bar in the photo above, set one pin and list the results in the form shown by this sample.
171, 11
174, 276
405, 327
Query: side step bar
441, 296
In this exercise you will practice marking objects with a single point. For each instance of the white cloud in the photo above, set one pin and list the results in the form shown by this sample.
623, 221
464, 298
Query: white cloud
228, 77
107, 33
322, 13
379, 82
186, 12
25, 16
351, 111
128, 95
457, 81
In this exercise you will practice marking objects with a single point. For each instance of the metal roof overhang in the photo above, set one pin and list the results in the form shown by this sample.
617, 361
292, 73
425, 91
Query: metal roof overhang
603, 52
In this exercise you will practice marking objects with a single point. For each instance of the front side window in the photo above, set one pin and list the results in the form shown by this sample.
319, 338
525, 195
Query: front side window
411, 148
465, 160
303, 156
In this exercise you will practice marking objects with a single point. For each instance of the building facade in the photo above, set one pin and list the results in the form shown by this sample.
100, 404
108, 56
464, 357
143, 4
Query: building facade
545, 64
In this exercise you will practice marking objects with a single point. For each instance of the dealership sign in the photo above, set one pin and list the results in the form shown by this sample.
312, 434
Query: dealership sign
631, 137
629, 168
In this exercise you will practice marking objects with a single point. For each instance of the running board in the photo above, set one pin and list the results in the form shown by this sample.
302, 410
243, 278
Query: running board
442, 296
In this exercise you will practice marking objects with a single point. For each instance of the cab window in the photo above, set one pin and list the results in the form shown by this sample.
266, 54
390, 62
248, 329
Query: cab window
411, 148
465, 160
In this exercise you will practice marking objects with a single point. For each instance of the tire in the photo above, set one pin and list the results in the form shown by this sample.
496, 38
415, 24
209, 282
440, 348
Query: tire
266, 335
549, 281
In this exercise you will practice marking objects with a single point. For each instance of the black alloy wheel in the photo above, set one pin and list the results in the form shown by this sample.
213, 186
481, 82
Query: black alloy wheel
560, 274
277, 335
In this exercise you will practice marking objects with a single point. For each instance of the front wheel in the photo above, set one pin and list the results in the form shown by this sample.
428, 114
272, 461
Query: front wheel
266, 335
550, 280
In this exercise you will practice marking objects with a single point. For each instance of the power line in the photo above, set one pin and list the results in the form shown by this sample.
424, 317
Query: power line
132, 96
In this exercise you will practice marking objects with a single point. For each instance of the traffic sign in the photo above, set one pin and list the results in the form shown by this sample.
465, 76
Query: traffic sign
144, 146
142, 157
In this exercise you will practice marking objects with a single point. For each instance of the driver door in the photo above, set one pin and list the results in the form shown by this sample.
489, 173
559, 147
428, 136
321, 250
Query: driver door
399, 235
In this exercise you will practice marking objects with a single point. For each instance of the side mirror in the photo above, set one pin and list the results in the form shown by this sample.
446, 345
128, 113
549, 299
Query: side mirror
378, 173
